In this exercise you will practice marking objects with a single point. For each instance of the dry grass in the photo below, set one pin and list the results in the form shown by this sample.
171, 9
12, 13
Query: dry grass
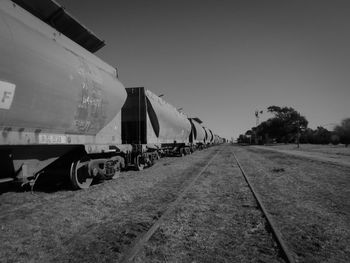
218, 221
310, 201
325, 153
93, 225
332, 151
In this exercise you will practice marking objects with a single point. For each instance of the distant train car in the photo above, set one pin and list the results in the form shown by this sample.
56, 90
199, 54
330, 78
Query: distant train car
208, 136
216, 139
198, 134
149, 121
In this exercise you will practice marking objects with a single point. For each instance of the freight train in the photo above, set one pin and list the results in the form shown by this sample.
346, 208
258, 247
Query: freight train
59, 103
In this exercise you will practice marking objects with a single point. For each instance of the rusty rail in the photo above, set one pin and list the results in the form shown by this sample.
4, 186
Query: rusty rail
285, 251
132, 253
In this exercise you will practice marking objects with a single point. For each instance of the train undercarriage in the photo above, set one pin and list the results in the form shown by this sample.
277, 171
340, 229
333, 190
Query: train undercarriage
25, 165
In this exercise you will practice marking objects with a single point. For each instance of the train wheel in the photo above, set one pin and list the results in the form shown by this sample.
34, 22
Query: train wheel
157, 156
116, 174
138, 165
120, 163
79, 175
182, 152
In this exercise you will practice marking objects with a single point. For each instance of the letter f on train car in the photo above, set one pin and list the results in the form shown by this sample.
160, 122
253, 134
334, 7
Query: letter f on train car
7, 92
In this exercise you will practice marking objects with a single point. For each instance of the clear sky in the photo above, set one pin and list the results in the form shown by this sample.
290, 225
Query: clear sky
221, 60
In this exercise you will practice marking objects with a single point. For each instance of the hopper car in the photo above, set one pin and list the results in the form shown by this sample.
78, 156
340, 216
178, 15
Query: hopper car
209, 137
62, 106
154, 124
201, 136
198, 134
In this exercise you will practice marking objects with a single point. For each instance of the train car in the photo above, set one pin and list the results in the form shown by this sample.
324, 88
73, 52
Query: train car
212, 137
154, 125
218, 139
61, 107
208, 136
56, 97
198, 134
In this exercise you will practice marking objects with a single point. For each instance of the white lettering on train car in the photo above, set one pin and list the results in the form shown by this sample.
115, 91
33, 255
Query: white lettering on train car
52, 139
7, 92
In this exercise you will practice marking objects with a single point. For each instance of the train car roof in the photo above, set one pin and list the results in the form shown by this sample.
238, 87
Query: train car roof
54, 15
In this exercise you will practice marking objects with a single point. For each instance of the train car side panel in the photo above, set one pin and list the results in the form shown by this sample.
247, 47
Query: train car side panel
56, 89
173, 125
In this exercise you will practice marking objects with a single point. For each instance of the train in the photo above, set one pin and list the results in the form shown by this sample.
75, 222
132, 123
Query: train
60, 103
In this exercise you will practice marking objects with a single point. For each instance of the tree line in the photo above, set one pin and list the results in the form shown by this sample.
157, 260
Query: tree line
288, 126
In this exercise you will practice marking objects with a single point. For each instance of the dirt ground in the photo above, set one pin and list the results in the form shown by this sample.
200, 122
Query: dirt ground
217, 221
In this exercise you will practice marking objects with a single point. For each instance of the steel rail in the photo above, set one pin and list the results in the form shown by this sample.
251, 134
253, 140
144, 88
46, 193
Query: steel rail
285, 251
132, 253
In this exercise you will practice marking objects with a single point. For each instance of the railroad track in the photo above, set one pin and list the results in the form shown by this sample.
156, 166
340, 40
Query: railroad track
139, 244
209, 206
304, 197
284, 248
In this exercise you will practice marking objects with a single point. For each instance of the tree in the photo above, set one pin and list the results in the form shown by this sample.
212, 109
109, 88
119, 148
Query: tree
307, 136
335, 139
243, 139
322, 136
249, 133
343, 131
286, 125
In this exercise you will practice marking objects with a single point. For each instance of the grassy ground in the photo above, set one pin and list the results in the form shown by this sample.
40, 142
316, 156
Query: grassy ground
218, 221
339, 149
332, 151
325, 153
310, 200
95, 225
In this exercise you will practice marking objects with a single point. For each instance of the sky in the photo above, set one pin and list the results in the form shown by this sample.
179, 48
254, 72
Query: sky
222, 60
